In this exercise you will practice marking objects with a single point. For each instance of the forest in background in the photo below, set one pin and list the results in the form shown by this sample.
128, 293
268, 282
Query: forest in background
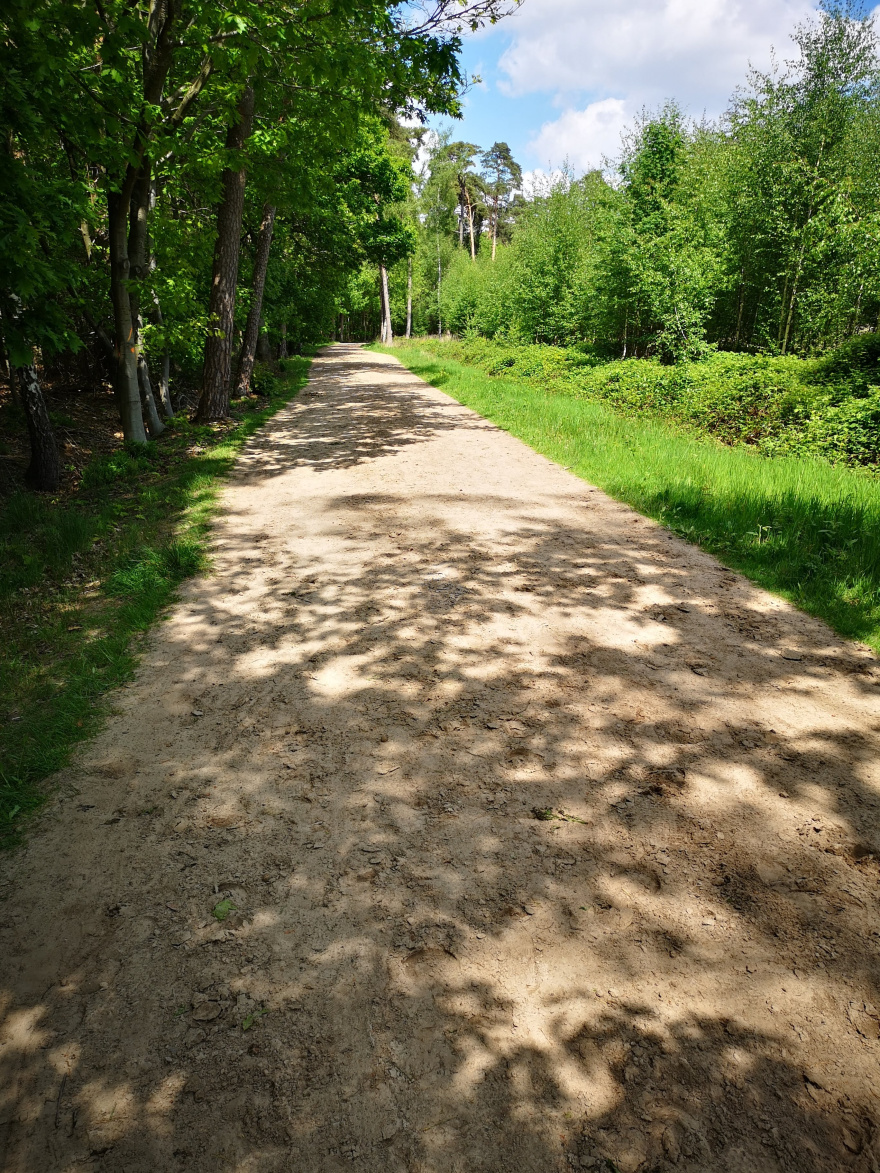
186, 187
757, 233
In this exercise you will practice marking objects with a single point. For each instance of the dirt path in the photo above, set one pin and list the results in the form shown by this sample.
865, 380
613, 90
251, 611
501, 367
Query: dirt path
419, 633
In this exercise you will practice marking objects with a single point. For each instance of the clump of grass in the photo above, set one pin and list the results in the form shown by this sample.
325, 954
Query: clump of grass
79, 582
801, 527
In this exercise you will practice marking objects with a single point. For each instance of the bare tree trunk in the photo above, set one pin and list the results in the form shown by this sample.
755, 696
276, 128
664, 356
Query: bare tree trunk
282, 345
44, 470
409, 297
252, 329
470, 208
125, 375
387, 334
216, 379
155, 427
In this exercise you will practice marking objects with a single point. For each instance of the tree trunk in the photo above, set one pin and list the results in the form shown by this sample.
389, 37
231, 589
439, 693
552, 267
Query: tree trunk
165, 377
5, 360
742, 302
155, 427
139, 265
264, 350
125, 375
387, 334
470, 208
409, 297
494, 227
252, 329
44, 470
282, 345
793, 298
214, 400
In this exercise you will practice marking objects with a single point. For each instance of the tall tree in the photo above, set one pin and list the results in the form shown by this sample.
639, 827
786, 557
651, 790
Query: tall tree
255, 313
214, 399
502, 177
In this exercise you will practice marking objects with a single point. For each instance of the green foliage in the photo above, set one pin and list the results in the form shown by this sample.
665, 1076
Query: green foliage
779, 405
758, 233
796, 525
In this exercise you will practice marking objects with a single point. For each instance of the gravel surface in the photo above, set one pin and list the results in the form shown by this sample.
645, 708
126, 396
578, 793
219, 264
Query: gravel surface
460, 820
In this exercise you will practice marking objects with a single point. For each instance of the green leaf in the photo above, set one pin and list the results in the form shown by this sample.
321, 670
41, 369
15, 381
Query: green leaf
248, 1022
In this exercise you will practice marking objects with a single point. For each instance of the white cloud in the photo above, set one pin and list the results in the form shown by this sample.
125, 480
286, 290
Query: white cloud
643, 51
583, 137
539, 182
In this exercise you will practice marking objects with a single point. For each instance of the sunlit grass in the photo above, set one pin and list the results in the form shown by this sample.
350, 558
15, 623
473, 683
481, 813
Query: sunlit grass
79, 584
803, 528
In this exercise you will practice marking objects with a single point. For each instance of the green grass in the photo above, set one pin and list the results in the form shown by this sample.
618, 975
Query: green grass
81, 582
799, 526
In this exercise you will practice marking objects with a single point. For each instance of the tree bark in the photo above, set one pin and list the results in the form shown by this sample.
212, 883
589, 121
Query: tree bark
44, 470
264, 350
155, 427
382, 314
139, 265
165, 376
387, 333
282, 345
216, 379
125, 378
252, 329
157, 55
409, 297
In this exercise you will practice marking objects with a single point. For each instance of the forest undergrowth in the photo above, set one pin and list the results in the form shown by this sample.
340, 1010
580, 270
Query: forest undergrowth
798, 525
81, 582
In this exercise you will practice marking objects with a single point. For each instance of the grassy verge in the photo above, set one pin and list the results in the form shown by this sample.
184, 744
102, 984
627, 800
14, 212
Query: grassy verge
81, 581
799, 526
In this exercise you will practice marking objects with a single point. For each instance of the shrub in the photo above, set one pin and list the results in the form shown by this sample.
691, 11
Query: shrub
828, 407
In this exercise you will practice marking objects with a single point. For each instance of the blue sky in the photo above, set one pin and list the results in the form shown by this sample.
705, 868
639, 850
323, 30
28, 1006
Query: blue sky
562, 77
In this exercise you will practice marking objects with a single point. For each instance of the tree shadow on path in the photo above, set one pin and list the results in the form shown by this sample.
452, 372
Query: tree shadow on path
548, 842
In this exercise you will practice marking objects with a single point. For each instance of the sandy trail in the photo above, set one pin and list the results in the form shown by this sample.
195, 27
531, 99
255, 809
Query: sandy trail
418, 633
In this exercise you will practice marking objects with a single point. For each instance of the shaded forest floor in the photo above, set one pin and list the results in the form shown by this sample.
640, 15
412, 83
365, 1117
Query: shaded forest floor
462, 820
